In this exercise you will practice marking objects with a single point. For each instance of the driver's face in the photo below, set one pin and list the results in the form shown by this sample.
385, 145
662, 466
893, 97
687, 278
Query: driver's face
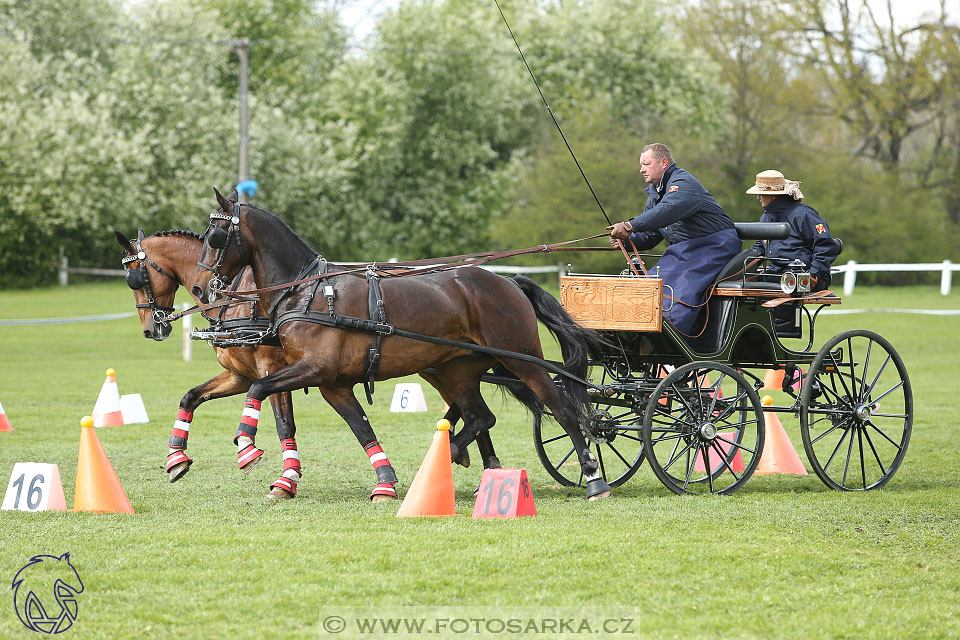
651, 168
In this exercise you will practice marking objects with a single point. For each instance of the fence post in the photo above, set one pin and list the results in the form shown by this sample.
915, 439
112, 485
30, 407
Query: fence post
849, 277
64, 276
945, 277
187, 328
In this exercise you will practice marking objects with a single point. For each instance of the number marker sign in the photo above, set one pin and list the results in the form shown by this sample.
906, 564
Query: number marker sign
504, 493
408, 397
34, 486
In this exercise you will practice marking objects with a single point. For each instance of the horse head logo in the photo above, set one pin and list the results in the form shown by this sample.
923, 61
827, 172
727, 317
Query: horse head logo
45, 593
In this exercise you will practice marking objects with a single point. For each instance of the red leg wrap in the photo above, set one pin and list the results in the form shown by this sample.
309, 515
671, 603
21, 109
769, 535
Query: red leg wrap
175, 458
248, 455
286, 484
384, 489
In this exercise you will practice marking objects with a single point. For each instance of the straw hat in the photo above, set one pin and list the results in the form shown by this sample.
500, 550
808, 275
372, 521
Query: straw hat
772, 183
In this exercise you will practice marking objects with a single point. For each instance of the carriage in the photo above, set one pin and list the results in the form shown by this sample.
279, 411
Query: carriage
689, 405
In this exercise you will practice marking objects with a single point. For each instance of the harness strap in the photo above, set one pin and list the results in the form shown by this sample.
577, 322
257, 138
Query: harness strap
378, 315
362, 324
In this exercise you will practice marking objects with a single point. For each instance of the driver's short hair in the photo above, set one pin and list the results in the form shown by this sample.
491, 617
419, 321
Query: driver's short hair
660, 151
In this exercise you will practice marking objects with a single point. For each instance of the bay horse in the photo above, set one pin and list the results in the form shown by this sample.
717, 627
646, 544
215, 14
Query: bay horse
466, 305
172, 257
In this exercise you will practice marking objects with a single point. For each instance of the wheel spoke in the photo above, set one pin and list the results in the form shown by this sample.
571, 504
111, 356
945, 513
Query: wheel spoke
846, 466
817, 439
886, 393
870, 422
837, 448
853, 372
879, 373
843, 382
677, 455
618, 454
706, 465
691, 462
738, 445
629, 436
866, 365
560, 464
716, 390
876, 456
555, 438
603, 469
863, 471
723, 459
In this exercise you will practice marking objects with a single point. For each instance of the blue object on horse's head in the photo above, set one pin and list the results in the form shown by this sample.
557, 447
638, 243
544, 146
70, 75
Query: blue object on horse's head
248, 186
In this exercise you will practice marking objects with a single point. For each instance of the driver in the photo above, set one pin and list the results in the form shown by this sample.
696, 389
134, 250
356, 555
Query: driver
702, 236
809, 241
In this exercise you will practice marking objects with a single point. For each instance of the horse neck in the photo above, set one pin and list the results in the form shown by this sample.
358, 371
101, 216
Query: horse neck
176, 254
281, 260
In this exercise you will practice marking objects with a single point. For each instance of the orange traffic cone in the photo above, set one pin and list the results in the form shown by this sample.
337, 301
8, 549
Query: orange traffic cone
98, 488
716, 462
773, 380
106, 413
4, 423
778, 455
431, 494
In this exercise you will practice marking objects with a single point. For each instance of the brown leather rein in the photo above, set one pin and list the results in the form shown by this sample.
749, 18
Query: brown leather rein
408, 268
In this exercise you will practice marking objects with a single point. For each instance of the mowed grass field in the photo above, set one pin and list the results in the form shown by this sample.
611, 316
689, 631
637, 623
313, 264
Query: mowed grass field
210, 557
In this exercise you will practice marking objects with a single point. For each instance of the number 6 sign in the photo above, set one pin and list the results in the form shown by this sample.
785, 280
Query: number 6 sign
504, 493
34, 486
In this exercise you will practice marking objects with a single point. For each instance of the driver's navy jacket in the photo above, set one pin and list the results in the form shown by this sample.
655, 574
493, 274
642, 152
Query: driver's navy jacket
702, 240
677, 209
809, 241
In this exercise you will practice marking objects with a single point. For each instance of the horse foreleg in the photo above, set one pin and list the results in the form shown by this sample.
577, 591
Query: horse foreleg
286, 484
345, 403
227, 383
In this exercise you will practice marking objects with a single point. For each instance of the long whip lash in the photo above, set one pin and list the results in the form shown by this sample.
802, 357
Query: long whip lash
569, 148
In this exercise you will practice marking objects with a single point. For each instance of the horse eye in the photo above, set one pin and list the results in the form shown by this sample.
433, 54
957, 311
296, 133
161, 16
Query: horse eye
217, 238
135, 279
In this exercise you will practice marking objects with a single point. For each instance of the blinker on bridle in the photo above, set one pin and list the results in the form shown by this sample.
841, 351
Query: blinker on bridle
219, 239
139, 279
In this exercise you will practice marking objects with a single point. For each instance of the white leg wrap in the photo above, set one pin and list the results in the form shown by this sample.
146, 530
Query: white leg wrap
292, 474
243, 442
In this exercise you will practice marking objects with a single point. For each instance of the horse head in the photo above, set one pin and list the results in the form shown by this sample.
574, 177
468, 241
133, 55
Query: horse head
154, 287
222, 255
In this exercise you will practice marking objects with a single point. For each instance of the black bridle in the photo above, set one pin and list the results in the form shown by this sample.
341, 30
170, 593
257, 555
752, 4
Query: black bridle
219, 239
140, 279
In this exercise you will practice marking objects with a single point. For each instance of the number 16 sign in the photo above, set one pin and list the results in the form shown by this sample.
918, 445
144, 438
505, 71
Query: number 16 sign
504, 493
34, 486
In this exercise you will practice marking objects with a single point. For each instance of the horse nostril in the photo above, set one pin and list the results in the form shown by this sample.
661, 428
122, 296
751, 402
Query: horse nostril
147, 333
197, 292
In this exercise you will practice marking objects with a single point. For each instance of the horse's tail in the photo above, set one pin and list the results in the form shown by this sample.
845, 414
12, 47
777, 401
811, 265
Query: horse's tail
576, 344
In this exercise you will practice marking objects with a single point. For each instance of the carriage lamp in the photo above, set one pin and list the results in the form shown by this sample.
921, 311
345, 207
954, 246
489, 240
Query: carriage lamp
788, 282
803, 282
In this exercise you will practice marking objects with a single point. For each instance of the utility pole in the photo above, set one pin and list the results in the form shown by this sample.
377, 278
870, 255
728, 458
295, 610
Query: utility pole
242, 47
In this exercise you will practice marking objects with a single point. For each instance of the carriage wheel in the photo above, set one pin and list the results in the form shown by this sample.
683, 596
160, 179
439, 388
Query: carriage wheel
856, 411
613, 435
703, 429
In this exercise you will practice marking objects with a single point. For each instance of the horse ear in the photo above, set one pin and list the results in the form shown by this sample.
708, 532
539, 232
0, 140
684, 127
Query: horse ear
122, 239
234, 196
140, 235
225, 204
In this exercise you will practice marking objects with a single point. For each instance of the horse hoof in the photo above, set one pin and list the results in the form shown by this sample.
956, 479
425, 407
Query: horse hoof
381, 498
278, 493
250, 466
177, 471
599, 496
462, 458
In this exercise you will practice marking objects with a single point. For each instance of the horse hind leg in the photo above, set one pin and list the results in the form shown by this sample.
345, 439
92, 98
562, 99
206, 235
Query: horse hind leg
565, 413
345, 403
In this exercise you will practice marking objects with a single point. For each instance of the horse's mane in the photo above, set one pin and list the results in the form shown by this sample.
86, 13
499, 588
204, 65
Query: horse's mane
306, 244
178, 232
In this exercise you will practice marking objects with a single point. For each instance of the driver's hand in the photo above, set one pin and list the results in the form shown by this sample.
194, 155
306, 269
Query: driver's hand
619, 231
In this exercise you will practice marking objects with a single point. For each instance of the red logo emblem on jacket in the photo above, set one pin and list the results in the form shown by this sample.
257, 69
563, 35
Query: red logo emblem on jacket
821, 228
675, 188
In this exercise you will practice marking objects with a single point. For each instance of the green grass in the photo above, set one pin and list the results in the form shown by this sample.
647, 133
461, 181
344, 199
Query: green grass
209, 557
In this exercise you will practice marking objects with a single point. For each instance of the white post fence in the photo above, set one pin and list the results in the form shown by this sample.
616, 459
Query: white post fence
850, 270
